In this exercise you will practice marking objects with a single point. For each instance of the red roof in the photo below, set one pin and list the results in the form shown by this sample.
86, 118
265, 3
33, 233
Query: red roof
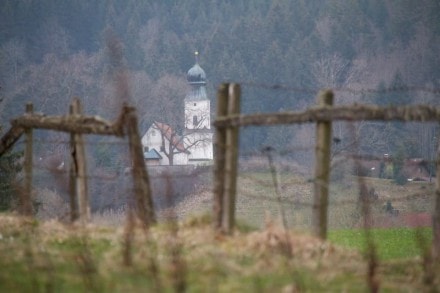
171, 135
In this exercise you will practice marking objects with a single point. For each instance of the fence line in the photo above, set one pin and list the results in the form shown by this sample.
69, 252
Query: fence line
433, 90
338, 202
323, 114
227, 125
356, 112
77, 124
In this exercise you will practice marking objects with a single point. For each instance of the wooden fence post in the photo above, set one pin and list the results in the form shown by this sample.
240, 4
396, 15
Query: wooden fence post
74, 213
79, 161
26, 204
436, 214
142, 190
219, 157
322, 168
231, 158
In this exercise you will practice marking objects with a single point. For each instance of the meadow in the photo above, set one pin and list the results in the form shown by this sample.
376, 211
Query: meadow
391, 243
189, 256
116, 255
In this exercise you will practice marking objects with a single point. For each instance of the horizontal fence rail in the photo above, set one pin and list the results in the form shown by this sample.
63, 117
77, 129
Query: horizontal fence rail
69, 123
322, 115
422, 113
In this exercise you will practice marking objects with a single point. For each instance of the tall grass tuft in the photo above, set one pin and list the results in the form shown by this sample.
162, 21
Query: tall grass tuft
86, 264
365, 205
127, 247
177, 265
276, 183
428, 263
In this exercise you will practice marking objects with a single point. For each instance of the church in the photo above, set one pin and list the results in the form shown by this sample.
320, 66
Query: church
164, 146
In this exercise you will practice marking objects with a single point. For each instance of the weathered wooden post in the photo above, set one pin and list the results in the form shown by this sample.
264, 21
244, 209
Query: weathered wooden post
231, 158
26, 197
436, 214
219, 157
79, 162
322, 168
74, 213
142, 190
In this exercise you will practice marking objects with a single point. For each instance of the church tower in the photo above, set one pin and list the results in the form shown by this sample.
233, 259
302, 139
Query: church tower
197, 133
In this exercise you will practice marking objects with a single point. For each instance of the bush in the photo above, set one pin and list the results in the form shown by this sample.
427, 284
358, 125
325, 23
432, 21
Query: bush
400, 179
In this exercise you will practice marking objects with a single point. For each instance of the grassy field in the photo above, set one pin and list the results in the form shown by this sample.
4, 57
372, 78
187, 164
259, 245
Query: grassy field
111, 256
257, 199
391, 243
51, 257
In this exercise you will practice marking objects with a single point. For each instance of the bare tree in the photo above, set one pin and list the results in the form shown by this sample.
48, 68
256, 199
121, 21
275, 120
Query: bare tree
332, 71
173, 144
12, 56
55, 39
335, 72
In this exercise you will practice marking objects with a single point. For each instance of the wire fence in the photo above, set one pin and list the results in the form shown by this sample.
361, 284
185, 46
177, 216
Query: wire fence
392, 203
360, 90
396, 178
272, 180
292, 147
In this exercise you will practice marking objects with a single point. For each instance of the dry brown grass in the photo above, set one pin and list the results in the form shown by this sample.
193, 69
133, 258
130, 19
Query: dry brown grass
209, 260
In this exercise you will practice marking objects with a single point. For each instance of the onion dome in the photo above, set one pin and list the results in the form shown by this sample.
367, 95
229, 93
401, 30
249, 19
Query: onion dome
196, 75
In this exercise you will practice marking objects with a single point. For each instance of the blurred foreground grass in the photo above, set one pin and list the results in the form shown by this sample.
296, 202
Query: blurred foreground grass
52, 257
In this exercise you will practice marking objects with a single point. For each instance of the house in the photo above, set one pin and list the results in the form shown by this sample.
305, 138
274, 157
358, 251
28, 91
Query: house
161, 139
194, 145
152, 157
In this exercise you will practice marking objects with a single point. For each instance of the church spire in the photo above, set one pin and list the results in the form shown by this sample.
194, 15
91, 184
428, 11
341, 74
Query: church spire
196, 56
196, 78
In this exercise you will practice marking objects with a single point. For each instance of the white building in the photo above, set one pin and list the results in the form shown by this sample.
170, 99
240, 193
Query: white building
163, 146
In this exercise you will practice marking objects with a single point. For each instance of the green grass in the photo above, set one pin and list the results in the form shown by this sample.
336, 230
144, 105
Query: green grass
40, 257
392, 243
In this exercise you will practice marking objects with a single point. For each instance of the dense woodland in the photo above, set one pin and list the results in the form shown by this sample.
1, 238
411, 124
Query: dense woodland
51, 51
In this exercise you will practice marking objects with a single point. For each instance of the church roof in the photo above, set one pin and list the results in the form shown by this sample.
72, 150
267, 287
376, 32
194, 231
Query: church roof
168, 132
196, 75
197, 94
152, 155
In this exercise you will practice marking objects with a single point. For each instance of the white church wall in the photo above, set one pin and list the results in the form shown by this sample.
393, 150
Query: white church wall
199, 109
200, 146
180, 159
153, 139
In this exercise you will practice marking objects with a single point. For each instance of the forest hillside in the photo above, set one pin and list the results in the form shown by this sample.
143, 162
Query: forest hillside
51, 51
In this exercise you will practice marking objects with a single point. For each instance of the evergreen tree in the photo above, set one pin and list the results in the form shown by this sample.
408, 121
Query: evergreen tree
398, 164
9, 167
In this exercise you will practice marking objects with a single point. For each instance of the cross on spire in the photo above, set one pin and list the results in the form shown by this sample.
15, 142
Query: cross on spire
196, 55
